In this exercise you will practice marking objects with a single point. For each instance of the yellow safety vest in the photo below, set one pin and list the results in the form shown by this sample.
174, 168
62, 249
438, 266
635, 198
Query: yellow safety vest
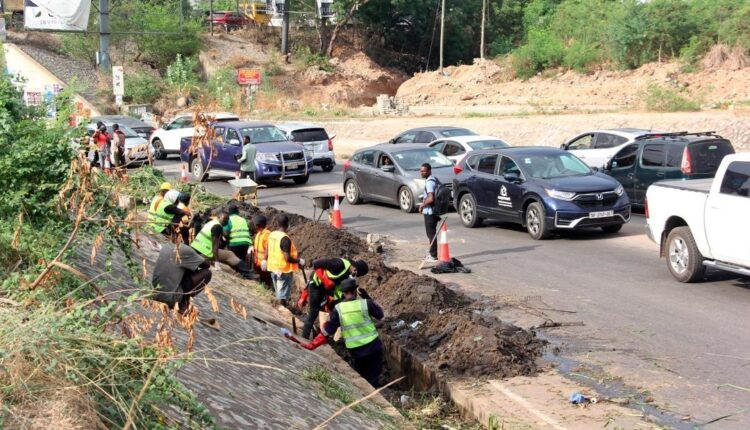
239, 234
158, 219
203, 242
276, 261
357, 327
337, 293
261, 242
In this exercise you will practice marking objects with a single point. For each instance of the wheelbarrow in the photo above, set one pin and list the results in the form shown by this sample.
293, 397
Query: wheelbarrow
245, 190
324, 204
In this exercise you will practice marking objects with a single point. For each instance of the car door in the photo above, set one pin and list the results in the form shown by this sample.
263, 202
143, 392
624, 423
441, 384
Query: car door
650, 169
179, 128
231, 147
581, 145
218, 143
605, 145
508, 194
484, 183
622, 168
385, 185
364, 172
726, 216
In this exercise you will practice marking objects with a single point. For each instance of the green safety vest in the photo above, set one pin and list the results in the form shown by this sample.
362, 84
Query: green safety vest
239, 234
158, 219
357, 327
337, 294
202, 242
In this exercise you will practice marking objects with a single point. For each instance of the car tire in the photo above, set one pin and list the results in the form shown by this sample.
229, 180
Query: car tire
684, 260
352, 192
536, 223
159, 153
196, 169
467, 211
327, 167
406, 200
612, 229
301, 180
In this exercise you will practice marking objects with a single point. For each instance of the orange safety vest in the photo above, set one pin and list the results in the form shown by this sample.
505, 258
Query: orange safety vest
260, 244
276, 261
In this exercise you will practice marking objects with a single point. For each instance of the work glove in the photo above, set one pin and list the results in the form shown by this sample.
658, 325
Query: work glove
363, 294
301, 262
264, 265
319, 340
303, 299
321, 274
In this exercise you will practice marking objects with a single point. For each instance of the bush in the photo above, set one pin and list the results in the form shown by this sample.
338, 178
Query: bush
542, 50
313, 59
181, 75
223, 87
143, 87
664, 99
581, 57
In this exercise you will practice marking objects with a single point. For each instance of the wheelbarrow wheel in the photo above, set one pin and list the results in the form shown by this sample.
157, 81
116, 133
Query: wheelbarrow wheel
300, 180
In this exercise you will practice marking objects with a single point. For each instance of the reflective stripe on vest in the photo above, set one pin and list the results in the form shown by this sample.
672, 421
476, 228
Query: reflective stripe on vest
239, 234
276, 261
158, 219
203, 242
261, 242
357, 327
334, 277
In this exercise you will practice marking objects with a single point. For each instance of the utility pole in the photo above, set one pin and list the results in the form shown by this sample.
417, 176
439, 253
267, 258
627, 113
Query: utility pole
442, 34
211, 16
484, 14
104, 35
285, 32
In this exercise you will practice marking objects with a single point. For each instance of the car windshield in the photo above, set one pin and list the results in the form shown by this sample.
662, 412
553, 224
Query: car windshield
129, 132
414, 158
452, 132
487, 144
553, 166
309, 135
263, 134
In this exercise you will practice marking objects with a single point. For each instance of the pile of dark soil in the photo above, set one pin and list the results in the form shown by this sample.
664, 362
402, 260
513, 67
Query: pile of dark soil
446, 330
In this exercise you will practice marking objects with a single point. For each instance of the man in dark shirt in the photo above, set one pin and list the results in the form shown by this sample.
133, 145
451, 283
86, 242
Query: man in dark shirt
174, 229
355, 318
179, 274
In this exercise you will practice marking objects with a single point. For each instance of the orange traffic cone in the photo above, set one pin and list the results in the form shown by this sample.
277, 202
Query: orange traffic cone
336, 218
183, 174
444, 253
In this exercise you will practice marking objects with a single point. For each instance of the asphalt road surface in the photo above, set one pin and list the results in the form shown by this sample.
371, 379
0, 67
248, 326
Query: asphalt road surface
680, 343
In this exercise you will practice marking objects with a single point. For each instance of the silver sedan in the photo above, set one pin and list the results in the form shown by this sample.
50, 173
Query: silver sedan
390, 174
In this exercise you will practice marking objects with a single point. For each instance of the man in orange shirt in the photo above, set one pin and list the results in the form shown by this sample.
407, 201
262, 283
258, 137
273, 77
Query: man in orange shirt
260, 248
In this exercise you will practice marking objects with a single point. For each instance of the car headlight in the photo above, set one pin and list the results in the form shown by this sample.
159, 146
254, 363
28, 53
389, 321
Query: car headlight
561, 195
619, 190
266, 157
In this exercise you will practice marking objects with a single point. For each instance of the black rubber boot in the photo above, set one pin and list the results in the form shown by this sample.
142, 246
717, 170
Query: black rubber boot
244, 270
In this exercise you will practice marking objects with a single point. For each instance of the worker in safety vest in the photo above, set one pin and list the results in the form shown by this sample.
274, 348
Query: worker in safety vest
324, 288
282, 260
208, 243
158, 219
260, 248
237, 232
356, 318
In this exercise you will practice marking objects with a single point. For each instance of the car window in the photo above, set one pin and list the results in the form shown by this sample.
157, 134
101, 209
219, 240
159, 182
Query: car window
437, 145
366, 157
705, 156
412, 159
486, 163
424, 137
453, 132
626, 157
478, 145
384, 160
263, 134
452, 148
407, 137
309, 135
653, 155
232, 135
508, 166
736, 180
219, 133
554, 166
674, 156
606, 140
583, 142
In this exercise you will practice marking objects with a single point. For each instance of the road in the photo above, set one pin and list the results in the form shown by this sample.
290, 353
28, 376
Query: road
678, 343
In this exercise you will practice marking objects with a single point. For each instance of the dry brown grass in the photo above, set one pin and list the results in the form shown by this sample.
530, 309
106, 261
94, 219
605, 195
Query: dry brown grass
721, 56
738, 59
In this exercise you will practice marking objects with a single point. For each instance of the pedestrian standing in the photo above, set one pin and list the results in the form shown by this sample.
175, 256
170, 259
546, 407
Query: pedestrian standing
356, 317
179, 274
102, 139
282, 260
260, 249
247, 160
238, 233
427, 208
118, 147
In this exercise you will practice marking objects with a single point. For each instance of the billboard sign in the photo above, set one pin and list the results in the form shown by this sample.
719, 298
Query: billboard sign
118, 81
248, 76
56, 15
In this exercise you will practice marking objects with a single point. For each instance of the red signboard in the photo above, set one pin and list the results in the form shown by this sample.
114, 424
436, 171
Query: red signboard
248, 76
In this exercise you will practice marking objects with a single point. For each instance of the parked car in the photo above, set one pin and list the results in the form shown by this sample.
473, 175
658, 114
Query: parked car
141, 128
703, 222
166, 140
315, 139
228, 20
390, 174
276, 158
543, 189
136, 148
597, 147
428, 134
657, 157
456, 148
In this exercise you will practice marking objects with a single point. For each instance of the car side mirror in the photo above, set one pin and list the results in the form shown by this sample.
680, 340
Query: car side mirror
388, 168
392, 141
512, 177
595, 169
563, 146
235, 142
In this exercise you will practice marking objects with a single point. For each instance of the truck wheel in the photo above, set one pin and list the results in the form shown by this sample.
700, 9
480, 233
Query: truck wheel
196, 168
406, 200
467, 211
299, 180
327, 167
611, 229
536, 224
684, 260
159, 152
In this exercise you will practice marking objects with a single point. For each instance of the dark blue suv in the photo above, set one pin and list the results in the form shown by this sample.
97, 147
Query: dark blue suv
543, 189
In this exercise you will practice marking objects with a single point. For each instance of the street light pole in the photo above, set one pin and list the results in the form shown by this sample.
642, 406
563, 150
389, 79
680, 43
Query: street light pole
104, 35
442, 34
285, 32
484, 14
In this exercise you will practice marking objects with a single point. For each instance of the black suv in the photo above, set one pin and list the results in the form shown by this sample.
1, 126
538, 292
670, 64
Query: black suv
659, 156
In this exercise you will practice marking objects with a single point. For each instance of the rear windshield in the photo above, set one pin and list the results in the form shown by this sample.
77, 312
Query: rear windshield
412, 160
452, 132
487, 144
707, 155
309, 135
228, 119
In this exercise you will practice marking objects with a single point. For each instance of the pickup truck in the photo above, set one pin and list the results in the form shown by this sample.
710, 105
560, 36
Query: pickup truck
276, 157
703, 222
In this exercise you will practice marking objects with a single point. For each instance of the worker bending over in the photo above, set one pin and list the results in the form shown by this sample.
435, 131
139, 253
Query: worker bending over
282, 260
356, 318
324, 288
179, 274
166, 216
208, 243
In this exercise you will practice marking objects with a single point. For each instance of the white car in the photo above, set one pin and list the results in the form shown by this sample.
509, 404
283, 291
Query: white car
314, 138
597, 147
136, 148
455, 148
166, 140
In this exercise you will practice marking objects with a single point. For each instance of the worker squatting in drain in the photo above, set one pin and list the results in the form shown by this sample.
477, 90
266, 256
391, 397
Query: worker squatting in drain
168, 213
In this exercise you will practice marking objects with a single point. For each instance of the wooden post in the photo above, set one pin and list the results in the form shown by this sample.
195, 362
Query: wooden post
484, 14
442, 34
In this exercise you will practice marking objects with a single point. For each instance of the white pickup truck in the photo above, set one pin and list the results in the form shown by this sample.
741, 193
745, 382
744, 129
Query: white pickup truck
703, 222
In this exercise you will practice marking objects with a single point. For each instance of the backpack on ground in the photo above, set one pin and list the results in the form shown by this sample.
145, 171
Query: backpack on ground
442, 202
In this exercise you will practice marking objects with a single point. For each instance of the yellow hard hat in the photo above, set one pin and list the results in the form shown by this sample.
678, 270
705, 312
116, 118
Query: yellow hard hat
165, 186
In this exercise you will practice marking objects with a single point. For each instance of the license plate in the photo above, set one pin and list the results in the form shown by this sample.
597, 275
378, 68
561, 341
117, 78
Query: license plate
291, 166
602, 214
